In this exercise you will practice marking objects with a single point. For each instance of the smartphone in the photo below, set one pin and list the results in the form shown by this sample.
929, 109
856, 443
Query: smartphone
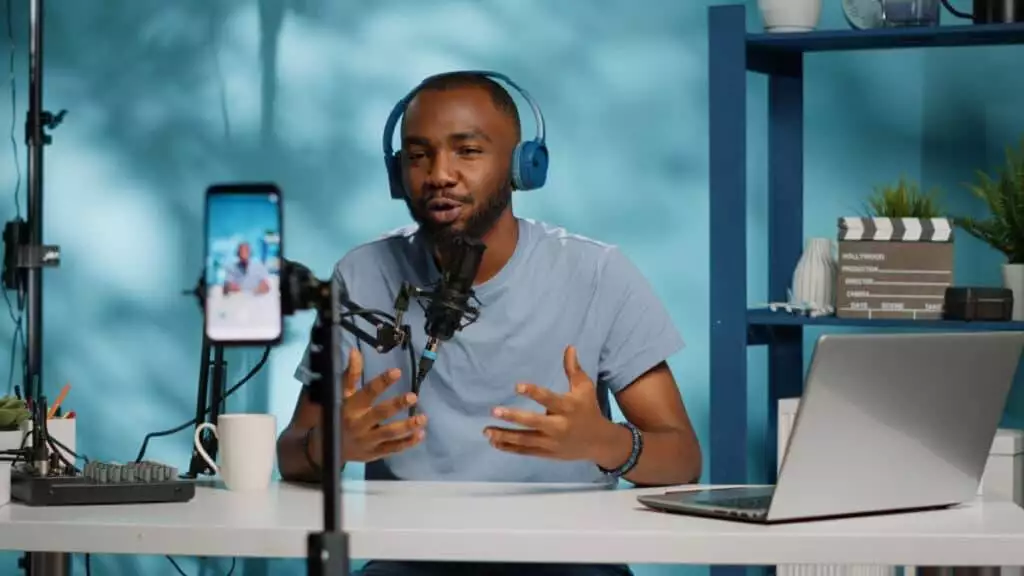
242, 264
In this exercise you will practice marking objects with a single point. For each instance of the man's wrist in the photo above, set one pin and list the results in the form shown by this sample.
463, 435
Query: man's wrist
311, 447
314, 451
613, 447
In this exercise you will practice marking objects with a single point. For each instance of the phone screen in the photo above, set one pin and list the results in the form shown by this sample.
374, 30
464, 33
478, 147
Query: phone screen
243, 264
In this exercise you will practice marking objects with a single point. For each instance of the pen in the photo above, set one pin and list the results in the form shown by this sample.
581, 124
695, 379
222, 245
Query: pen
60, 398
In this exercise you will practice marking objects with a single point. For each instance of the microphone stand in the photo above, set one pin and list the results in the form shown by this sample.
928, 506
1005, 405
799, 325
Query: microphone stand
327, 551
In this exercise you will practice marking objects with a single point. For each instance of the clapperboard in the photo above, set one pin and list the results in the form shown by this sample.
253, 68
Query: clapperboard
893, 267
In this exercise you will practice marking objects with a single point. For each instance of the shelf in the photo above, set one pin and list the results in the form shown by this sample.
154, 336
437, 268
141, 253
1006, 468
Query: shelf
888, 38
765, 317
733, 53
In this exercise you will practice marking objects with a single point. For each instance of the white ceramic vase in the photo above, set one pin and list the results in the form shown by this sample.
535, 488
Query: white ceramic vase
790, 15
1013, 278
814, 279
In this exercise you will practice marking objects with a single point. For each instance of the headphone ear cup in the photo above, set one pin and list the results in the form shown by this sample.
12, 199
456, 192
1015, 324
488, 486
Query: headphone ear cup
393, 164
529, 165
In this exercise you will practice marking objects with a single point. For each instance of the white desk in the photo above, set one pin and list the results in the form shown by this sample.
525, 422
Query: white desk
522, 523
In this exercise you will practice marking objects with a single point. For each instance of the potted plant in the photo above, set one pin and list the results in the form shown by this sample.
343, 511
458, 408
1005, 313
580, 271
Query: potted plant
1003, 229
903, 200
13, 412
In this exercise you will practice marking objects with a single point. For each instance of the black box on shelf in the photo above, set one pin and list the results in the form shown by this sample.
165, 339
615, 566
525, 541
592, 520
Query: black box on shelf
979, 303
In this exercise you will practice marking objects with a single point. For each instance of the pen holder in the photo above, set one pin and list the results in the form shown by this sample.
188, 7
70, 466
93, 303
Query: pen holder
9, 440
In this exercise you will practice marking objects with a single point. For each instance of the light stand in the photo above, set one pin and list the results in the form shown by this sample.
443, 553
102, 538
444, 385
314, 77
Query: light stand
24, 257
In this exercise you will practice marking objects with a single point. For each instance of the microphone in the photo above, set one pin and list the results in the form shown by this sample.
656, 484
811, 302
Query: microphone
450, 305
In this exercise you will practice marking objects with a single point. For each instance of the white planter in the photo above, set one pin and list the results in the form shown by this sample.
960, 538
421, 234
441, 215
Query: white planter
814, 279
1013, 278
790, 15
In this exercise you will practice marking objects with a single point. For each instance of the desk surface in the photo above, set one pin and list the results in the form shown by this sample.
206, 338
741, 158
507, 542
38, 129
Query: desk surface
503, 522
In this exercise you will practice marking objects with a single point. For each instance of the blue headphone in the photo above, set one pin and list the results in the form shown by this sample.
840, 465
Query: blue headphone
529, 161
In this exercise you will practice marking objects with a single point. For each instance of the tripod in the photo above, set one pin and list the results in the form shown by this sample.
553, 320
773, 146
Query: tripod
212, 376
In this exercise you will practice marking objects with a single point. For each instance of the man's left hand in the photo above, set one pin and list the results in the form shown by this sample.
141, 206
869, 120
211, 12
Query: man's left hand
572, 427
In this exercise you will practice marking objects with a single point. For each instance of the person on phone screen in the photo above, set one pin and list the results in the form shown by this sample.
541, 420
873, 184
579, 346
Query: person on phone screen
567, 325
247, 275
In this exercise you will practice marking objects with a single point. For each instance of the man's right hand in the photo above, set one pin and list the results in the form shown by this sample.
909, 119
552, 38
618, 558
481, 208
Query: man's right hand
364, 437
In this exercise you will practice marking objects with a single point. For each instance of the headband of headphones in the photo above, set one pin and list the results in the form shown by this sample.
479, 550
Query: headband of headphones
529, 160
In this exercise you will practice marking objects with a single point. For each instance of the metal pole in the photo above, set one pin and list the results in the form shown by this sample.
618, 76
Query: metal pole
38, 563
35, 140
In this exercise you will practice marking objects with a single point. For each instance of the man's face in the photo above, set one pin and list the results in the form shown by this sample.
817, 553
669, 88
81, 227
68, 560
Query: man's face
243, 252
456, 155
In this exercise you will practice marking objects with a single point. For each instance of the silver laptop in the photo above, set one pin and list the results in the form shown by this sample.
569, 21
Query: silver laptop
887, 423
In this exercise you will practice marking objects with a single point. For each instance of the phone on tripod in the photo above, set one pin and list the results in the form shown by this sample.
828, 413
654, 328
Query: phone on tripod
242, 302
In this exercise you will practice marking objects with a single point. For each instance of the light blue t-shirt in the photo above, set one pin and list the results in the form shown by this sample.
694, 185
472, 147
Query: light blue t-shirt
557, 289
248, 278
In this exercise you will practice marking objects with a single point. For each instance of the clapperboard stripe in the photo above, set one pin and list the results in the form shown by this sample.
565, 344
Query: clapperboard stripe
896, 229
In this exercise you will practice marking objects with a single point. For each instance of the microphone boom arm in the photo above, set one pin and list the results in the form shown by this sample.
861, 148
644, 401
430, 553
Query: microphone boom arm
391, 333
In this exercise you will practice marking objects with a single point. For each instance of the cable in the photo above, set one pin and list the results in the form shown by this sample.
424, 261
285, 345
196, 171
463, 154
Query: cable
19, 332
88, 565
956, 12
14, 107
14, 344
182, 572
193, 422
176, 567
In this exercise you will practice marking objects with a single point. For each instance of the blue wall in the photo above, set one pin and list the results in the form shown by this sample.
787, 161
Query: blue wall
166, 97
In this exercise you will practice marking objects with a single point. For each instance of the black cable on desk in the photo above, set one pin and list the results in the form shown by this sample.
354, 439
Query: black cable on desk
252, 373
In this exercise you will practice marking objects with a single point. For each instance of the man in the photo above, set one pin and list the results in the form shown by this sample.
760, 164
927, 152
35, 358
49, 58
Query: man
247, 275
521, 394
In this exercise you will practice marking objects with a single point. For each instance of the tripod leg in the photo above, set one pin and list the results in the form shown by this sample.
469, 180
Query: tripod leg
198, 466
220, 376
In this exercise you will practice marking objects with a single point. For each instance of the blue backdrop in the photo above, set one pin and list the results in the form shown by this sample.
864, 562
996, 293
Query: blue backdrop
167, 97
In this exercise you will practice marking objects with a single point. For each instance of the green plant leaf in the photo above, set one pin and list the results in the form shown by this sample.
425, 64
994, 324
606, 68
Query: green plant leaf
13, 411
1003, 195
903, 200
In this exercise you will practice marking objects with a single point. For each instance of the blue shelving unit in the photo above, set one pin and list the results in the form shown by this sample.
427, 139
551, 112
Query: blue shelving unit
732, 54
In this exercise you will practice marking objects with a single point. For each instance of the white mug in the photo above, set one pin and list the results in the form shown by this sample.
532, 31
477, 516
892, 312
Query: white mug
247, 444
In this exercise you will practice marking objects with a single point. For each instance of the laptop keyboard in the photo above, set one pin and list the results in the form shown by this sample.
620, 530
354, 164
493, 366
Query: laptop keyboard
745, 498
743, 502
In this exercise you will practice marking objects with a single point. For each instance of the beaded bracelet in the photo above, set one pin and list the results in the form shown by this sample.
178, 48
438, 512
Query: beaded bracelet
634, 454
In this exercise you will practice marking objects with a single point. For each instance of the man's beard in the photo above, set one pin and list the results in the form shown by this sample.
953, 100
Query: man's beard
480, 220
